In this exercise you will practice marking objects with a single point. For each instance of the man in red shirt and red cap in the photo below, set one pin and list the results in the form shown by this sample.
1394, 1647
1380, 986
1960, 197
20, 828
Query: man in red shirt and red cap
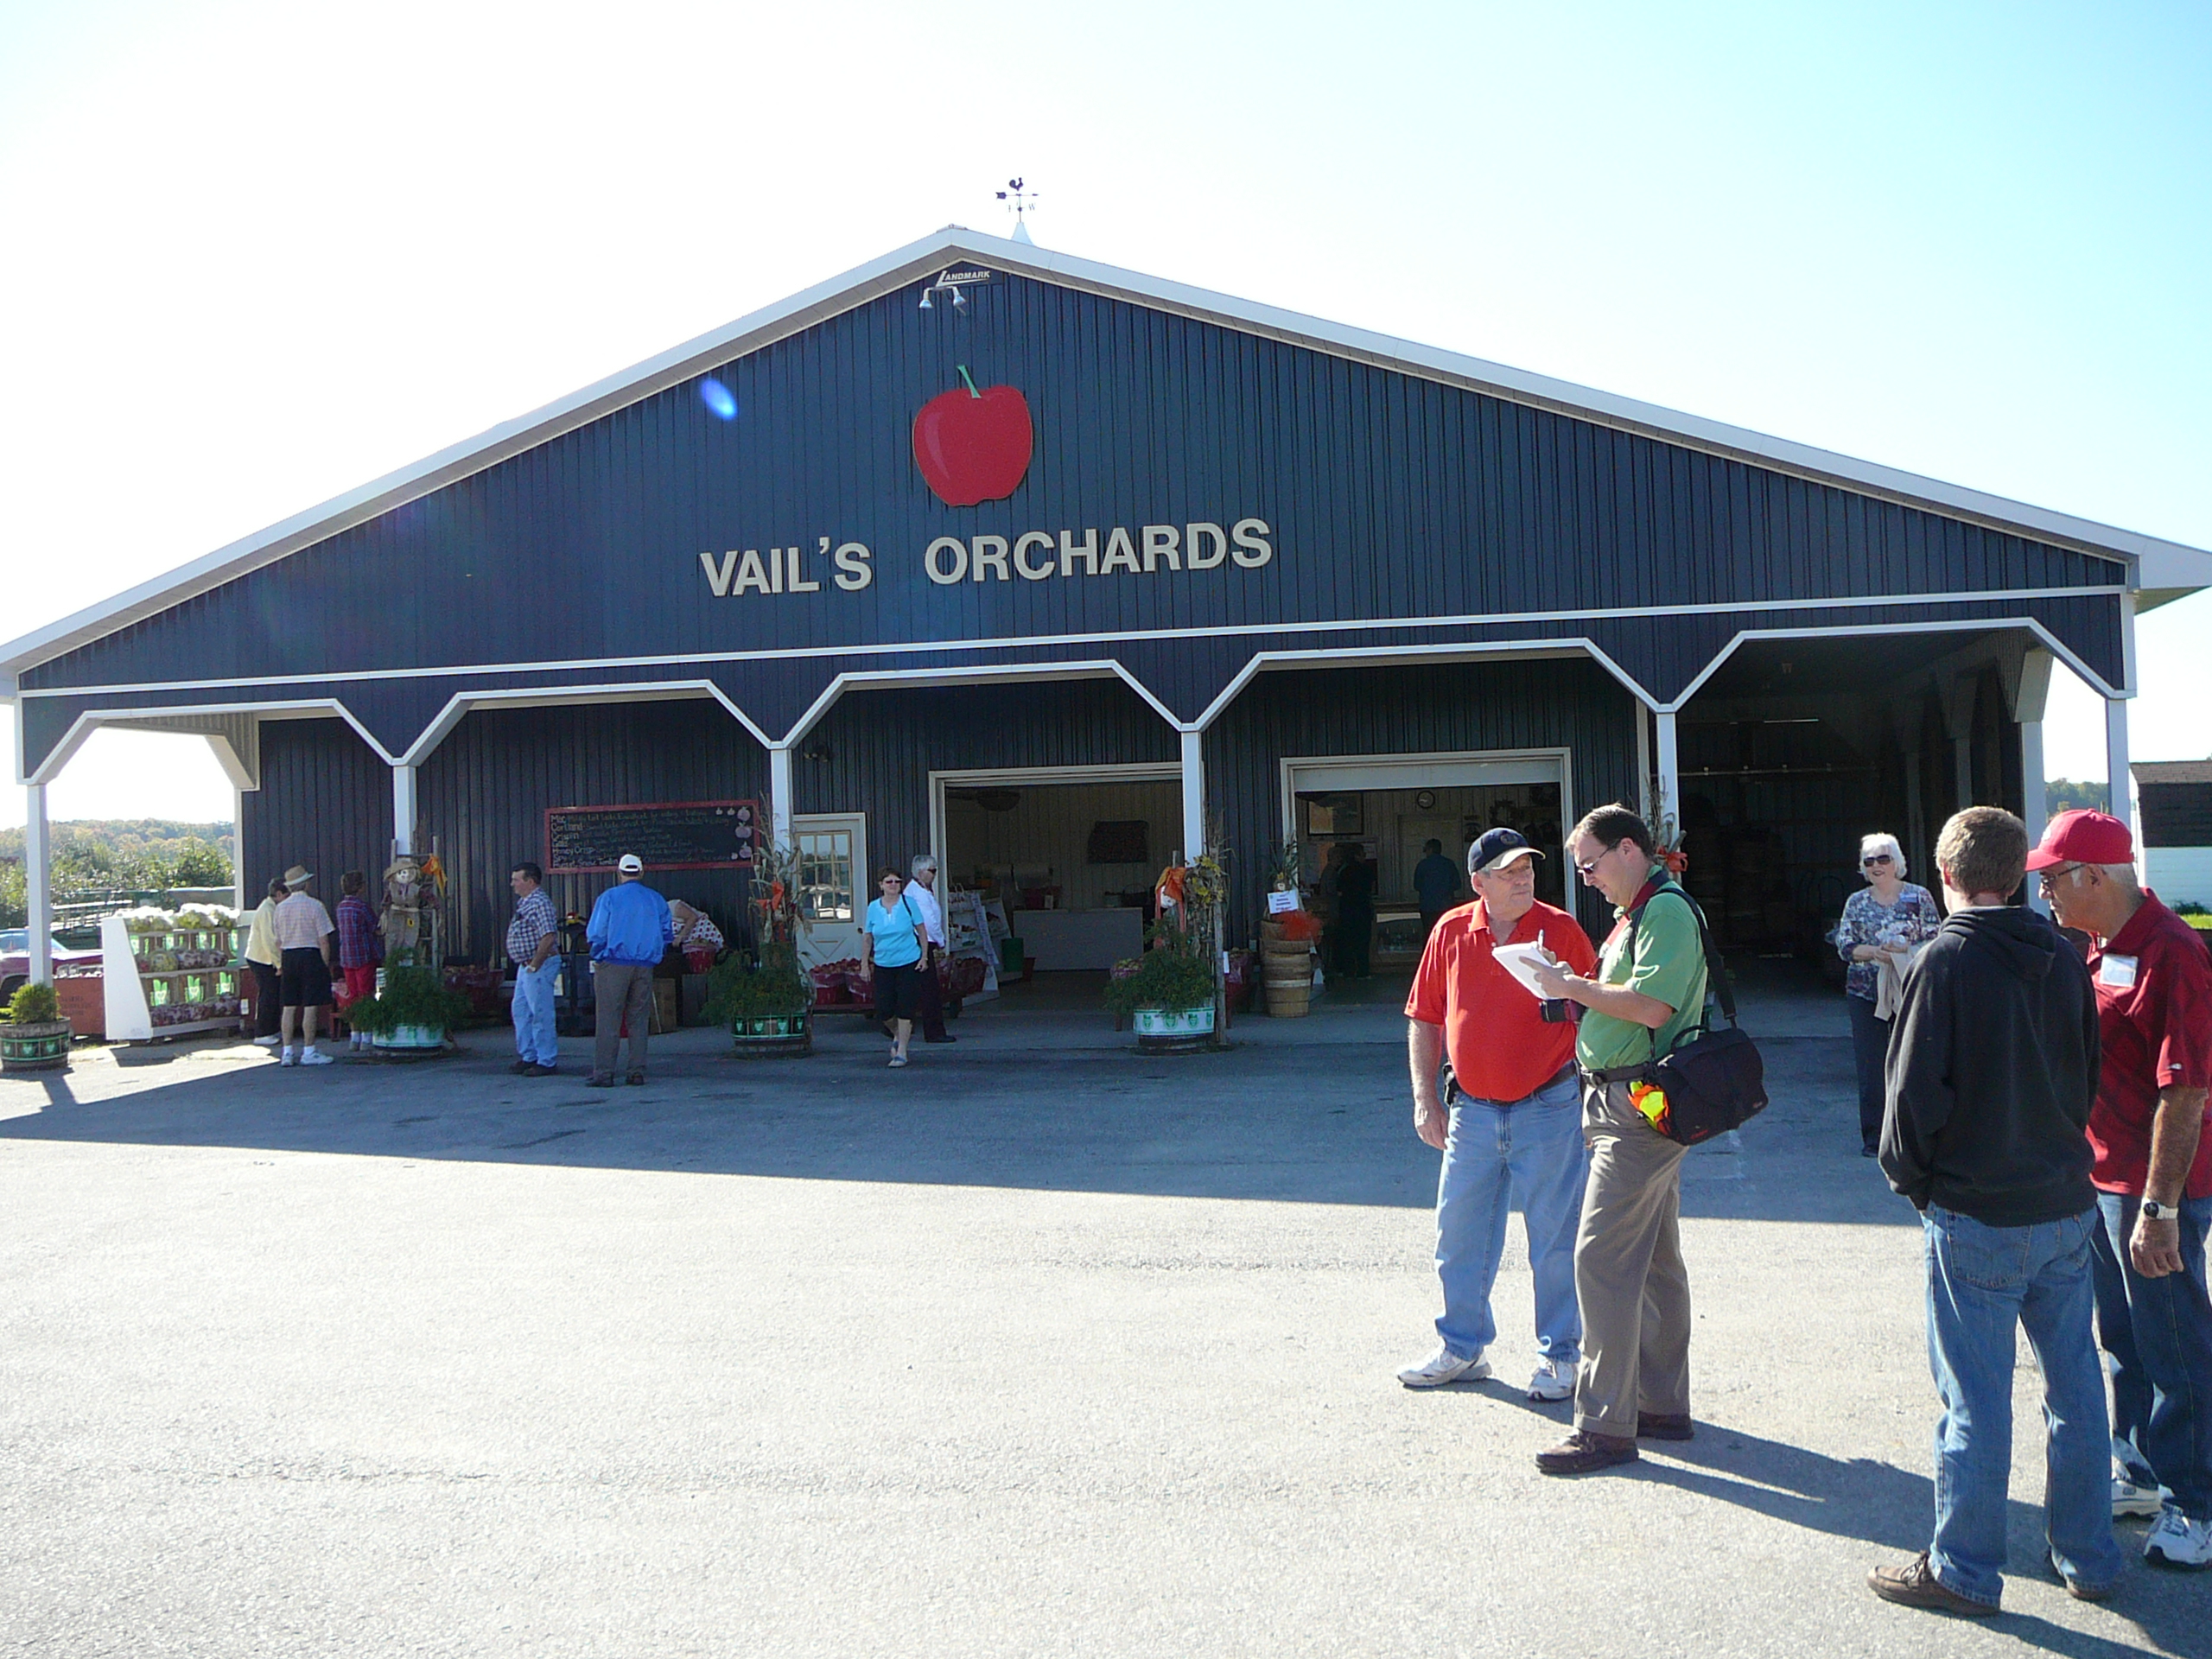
2153, 1174
1506, 1114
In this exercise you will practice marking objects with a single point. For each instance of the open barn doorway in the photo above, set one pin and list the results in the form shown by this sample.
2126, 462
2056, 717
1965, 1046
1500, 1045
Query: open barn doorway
1391, 807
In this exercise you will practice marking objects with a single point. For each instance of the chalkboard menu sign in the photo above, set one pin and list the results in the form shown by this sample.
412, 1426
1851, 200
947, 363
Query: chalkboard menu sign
666, 835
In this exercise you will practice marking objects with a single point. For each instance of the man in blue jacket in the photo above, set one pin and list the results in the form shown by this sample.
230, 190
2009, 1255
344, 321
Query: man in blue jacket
630, 929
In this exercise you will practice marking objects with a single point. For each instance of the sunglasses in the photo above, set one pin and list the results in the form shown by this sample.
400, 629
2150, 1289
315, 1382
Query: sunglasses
1878, 858
1585, 870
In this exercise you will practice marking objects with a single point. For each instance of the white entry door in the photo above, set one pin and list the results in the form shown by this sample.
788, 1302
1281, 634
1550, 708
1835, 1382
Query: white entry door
832, 891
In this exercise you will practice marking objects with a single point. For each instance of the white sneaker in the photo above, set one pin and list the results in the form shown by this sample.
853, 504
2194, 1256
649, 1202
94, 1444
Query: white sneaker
2179, 1542
290, 1056
1555, 1380
316, 1056
1444, 1366
268, 1042
2129, 1499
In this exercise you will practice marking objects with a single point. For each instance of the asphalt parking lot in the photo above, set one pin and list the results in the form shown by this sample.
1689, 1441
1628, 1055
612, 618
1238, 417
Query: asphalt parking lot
1035, 1346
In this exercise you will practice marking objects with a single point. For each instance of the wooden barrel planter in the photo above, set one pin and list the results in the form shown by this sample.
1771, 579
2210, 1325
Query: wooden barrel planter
1174, 1031
43, 1046
772, 1036
1290, 976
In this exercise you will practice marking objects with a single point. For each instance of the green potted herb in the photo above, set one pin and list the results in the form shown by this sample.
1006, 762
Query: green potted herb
35, 1037
412, 1011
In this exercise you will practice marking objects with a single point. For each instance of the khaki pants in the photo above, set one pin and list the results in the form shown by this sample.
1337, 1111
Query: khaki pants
620, 988
1628, 1274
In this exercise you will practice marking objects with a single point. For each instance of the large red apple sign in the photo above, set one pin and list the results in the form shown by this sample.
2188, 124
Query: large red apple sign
974, 445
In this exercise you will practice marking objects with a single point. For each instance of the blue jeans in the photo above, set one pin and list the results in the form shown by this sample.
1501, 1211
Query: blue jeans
2158, 1332
535, 1040
1870, 1050
1530, 1153
1982, 1281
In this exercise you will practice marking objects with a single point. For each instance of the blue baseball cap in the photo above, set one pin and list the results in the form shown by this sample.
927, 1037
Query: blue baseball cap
1496, 849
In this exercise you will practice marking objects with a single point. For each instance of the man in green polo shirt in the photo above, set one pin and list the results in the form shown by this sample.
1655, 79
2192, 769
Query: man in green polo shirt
1628, 1274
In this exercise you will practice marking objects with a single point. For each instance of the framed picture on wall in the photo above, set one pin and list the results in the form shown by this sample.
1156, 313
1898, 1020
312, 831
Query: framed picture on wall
1119, 841
1335, 815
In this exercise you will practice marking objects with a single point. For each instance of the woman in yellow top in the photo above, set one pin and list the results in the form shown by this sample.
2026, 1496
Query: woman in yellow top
263, 957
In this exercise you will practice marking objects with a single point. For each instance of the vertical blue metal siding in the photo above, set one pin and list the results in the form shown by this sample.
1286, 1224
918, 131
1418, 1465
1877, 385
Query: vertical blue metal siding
881, 746
484, 791
325, 802
1389, 495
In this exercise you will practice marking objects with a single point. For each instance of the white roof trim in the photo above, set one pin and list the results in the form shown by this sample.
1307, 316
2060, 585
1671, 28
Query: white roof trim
2156, 564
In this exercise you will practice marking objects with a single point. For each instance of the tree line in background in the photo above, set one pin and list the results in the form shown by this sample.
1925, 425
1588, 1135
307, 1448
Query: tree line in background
2064, 795
95, 857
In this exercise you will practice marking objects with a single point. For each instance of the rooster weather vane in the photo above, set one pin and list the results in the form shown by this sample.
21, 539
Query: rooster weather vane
1021, 203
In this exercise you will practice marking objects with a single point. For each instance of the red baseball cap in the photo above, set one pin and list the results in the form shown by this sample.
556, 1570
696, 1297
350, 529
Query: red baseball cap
2084, 837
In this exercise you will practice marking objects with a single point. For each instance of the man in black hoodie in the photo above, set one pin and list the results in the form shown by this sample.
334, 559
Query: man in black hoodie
1993, 1066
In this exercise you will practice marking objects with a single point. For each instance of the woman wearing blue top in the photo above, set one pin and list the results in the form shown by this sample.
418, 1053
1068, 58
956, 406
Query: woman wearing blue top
1888, 917
893, 954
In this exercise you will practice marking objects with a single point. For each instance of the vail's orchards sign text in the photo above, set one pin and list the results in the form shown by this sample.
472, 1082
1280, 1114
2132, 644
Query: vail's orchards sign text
1033, 556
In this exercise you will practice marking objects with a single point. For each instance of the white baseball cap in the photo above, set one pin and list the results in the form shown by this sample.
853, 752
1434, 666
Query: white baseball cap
631, 864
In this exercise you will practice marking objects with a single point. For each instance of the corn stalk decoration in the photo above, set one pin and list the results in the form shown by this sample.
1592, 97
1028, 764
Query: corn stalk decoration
775, 895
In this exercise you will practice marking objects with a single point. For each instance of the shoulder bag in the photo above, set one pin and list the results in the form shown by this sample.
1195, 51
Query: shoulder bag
1713, 1080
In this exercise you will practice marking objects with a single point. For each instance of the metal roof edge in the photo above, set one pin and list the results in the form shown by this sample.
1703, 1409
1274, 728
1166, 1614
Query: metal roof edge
2156, 564
471, 455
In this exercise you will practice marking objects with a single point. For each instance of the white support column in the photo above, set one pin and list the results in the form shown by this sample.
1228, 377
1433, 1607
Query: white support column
2120, 779
779, 796
1194, 795
1670, 772
38, 879
2030, 690
1645, 806
403, 809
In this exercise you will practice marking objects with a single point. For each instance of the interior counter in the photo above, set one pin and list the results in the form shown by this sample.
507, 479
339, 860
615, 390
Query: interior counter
1062, 939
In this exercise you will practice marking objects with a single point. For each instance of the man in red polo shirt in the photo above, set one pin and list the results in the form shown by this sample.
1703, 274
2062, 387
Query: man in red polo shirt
1506, 1115
2153, 1174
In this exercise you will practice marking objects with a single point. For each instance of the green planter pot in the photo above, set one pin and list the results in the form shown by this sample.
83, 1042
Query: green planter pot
410, 1039
41, 1047
1171, 1031
772, 1036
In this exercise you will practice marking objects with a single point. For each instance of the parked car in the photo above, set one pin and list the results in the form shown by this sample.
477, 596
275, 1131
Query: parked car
15, 959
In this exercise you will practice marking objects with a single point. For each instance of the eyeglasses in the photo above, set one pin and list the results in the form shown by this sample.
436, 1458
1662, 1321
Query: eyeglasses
1876, 858
2048, 878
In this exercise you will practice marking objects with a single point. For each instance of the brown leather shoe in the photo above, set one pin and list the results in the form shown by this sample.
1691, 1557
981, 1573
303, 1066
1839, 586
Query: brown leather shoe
1915, 1584
1585, 1452
1665, 1426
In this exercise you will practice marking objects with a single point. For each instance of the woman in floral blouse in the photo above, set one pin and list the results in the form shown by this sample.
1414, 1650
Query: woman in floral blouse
1889, 916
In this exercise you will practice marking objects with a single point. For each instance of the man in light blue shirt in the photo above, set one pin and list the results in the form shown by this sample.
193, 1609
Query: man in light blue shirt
630, 931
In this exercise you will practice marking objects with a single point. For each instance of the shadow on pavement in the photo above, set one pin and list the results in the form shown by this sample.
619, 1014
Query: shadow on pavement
1894, 1509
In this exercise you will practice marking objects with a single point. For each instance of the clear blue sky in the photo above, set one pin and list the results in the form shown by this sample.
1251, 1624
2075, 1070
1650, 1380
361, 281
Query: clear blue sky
261, 253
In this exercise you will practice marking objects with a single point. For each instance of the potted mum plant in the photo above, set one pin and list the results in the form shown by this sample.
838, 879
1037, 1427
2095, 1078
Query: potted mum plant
412, 1012
1168, 997
35, 1037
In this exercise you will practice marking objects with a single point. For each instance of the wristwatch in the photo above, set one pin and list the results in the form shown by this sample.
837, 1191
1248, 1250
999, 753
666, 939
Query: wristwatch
2158, 1211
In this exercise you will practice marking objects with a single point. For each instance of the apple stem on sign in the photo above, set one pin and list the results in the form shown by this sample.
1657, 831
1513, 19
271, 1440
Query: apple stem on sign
970, 384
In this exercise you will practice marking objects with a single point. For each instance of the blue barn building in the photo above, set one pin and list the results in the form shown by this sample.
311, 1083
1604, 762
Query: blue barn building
1056, 570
